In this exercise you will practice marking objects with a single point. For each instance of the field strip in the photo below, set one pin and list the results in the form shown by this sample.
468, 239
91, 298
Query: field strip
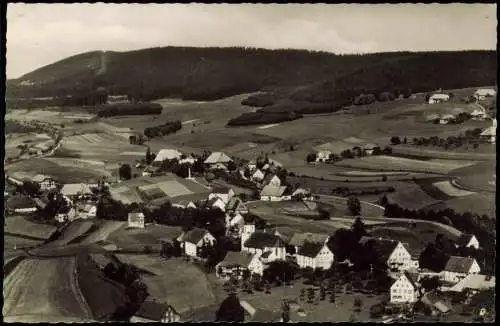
76, 288
268, 126
449, 189
133, 153
189, 121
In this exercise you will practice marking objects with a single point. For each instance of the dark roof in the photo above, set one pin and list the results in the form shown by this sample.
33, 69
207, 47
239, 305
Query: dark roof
463, 240
384, 247
299, 238
310, 249
20, 201
412, 277
194, 235
261, 240
152, 310
237, 258
459, 264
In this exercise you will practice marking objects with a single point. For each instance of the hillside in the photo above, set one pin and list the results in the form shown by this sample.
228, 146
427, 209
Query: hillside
213, 73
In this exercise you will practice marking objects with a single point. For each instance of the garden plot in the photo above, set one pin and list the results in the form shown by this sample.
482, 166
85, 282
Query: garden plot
180, 283
450, 190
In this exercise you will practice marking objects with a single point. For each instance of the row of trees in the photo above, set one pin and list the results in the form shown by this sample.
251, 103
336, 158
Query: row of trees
349, 154
449, 142
258, 118
167, 128
111, 110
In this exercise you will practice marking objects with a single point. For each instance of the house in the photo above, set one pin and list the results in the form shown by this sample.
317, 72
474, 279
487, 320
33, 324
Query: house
468, 241
89, 210
191, 241
299, 239
237, 206
46, 182
489, 135
483, 93
437, 303
458, 268
405, 289
396, 254
219, 166
187, 160
478, 114
269, 247
258, 176
65, 213
232, 220
216, 202
252, 165
151, 171
167, 154
21, 204
272, 193
185, 204
256, 315
315, 255
439, 98
323, 156
217, 157
152, 311
301, 193
369, 148
75, 190
271, 179
446, 119
224, 193
136, 220
236, 262
472, 282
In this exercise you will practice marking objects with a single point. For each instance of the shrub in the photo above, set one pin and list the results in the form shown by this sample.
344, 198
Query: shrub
256, 118
110, 110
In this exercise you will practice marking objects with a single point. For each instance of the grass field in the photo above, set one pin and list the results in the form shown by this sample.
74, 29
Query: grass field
476, 204
449, 189
136, 239
484, 152
480, 177
73, 231
51, 279
175, 281
10, 241
105, 228
413, 198
22, 226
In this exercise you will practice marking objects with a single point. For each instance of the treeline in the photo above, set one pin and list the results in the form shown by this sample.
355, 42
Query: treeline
258, 118
167, 128
111, 110
212, 73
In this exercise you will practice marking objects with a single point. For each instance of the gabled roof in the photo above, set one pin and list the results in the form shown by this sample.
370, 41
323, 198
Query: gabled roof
459, 264
464, 239
259, 173
237, 258
301, 191
310, 249
269, 177
235, 203
194, 235
236, 219
72, 189
271, 190
217, 157
167, 154
485, 91
41, 177
152, 310
260, 240
299, 238
490, 131
384, 247
211, 202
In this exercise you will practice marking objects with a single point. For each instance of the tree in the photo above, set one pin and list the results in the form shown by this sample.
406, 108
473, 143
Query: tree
30, 188
311, 157
395, 140
354, 205
285, 311
125, 172
230, 310
358, 228
430, 283
358, 303
149, 156
377, 310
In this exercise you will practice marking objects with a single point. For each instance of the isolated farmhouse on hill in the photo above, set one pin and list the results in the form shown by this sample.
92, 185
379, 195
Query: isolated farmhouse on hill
323, 156
483, 93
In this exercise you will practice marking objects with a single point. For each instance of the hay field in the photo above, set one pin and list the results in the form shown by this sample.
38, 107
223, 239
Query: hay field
54, 280
22, 226
413, 198
175, 281
72, 232
136, 239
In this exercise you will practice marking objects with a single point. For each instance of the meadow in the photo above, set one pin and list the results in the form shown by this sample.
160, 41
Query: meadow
136, 239
21, 226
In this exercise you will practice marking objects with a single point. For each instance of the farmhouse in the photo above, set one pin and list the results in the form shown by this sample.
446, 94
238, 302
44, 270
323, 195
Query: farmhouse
74, 190
167, 154
224, 193
185, 204
489, 135
237, 206
271, 179
446, 119
217, 157
236, 263
152, 311
323, 156
21, 204
468, 241
396, 254
235, 220
458, 268
267, 246
473, 283
483, 93
46, 182
258, 176
89, 210
272, 193
315, 255
405, 289
216, 202
151, 171
191, 241
299, 239
439, 98
136, 220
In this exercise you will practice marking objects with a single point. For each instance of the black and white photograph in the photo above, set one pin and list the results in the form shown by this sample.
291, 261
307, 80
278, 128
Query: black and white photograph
270, 163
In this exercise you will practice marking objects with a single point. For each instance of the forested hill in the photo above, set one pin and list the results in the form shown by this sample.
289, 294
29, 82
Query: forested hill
212, 73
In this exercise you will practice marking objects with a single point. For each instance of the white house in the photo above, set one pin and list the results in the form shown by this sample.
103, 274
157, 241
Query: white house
252, 165
46, 182
167, 154
136, 220
323, 156
271, 179
272, 193
216, 202
191, 241
267, 246
458, 268
73, 190
187, 160
217, 157
439, 98
234, 219
315, 255
405, 289
467, 240
224, 193
236, 262
152, 311
258, 176
396, 254
483, 93
489, 134
66, 214
300, 238
446, 118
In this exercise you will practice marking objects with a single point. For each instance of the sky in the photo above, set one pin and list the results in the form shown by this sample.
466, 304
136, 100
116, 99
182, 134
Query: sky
40, 34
